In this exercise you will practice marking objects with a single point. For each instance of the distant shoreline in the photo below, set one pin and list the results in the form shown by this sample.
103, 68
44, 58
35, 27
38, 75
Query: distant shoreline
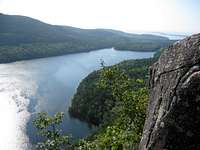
71, 53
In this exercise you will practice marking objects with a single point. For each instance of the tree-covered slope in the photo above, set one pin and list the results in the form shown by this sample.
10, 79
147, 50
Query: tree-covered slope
91, 103
114, 98
26, 38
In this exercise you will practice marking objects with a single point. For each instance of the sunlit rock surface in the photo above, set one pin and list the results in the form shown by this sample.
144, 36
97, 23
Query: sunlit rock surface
173, 115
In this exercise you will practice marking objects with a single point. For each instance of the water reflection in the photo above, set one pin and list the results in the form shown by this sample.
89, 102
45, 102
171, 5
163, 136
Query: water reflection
47, 84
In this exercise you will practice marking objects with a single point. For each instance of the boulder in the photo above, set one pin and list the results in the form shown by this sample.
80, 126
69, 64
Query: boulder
173, 115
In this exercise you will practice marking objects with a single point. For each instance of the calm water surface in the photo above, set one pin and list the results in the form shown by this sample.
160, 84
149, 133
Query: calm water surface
47, 84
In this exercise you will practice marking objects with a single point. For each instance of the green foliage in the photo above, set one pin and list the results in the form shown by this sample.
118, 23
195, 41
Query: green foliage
128, 112
48, 128
117, 97
92, 104
122, 124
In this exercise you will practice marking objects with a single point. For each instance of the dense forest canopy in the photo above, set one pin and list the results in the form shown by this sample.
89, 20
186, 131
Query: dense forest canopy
115, 99
91, 103
26, 38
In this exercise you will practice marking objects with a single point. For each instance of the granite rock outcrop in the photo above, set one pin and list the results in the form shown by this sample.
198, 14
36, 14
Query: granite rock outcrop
173, 115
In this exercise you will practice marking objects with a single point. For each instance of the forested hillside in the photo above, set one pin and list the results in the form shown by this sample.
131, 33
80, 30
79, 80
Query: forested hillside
91, 103
26, 38
114, 98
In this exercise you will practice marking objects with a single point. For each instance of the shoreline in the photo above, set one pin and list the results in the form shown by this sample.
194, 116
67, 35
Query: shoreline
71, 53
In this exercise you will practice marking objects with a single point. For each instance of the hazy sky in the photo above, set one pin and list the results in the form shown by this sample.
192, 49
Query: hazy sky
127, 15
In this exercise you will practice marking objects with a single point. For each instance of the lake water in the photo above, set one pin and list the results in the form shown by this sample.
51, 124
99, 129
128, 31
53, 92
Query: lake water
46, 84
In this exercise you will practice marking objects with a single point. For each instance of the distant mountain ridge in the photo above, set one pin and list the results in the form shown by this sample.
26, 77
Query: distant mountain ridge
26, 38
172, 36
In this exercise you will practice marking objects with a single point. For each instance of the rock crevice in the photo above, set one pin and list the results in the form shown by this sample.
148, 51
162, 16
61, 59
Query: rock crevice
173, 115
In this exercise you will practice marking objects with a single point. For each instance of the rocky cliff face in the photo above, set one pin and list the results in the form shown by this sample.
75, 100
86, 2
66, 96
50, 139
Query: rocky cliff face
173, 115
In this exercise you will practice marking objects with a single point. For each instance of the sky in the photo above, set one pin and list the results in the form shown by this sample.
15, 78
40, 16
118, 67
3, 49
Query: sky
127, 15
